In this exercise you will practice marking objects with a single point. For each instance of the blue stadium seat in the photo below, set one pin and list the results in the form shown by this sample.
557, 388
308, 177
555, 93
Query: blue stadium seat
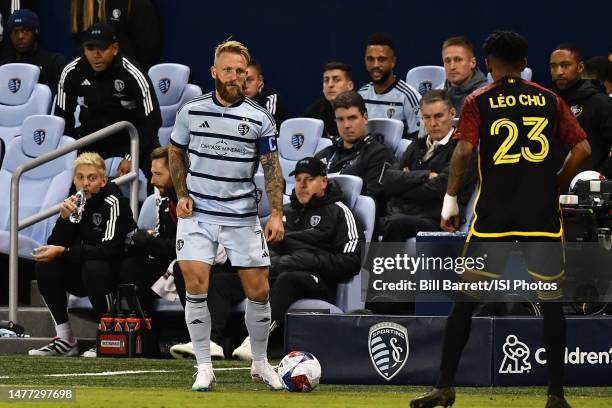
426, 78
323, 143
111, 168
2, 149
173, 90
387, 131
40, 188
20, 96
148, 217
298, 138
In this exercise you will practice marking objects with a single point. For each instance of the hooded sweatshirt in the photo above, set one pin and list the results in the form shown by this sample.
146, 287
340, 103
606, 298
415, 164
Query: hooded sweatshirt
457, 94
593, 109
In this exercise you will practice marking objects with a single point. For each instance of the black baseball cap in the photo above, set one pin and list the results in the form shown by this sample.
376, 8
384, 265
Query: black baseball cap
310, 165
99, 35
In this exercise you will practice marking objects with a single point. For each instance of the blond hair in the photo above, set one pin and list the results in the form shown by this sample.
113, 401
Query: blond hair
235, 47
90, 159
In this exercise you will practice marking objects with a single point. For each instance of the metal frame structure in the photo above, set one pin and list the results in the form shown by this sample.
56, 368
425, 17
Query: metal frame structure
16, 226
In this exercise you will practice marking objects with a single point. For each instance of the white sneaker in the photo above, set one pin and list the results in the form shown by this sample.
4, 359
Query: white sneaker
243, 351
185, 351
91, 353
263, 371
205, 378
57, 347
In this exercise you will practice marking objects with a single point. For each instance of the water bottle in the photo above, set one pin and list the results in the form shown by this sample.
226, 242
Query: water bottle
106, 322
77, 214
133, 322
119, 322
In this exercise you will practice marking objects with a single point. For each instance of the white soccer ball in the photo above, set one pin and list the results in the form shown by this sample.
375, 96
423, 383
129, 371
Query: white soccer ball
299, 371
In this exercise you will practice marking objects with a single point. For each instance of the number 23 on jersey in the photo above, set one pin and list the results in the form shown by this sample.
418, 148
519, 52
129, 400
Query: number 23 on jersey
536, 127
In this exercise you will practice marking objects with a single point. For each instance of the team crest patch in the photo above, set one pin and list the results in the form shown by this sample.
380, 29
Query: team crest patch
388, 347
96, 218
425, 87
576, 110
39, 136
164, 85
14, 84
258, 195
179, 244
119, 85
297, 140
243, 129
315, 220
116, 13
390, 112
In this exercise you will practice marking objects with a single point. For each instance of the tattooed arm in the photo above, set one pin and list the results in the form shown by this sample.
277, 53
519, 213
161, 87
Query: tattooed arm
275, 185
178, 173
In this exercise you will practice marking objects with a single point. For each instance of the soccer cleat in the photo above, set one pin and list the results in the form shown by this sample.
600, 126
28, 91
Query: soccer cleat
205, 378
57, 347
557, 402
91, 353
263, 371
185, 351
243, 351
437, 397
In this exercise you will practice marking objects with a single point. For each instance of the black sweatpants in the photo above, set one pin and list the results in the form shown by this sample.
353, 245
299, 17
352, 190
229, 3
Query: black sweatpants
143, 272
457, 333
400, 227
95, 279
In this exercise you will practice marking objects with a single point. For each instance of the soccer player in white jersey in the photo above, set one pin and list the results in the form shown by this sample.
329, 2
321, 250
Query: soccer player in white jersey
387, 96
216, 142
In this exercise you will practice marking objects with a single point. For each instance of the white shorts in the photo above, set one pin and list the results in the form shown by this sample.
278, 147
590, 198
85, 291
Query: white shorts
246, 247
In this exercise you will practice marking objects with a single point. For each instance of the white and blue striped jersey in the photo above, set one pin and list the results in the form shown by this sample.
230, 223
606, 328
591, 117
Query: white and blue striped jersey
224, 145
400, 101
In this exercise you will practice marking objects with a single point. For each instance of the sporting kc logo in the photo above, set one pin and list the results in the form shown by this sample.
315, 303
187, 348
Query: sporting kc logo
97, 219
14, 84
388, 347
179, 244
39, 136
119, 85
243, 129
297, 141
390, 112
315, 220
164, 85
425, 87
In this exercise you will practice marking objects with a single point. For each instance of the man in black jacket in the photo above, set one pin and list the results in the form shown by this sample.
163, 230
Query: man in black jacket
357, 152
23, 30
416, 185
268, 98
151, 251
336, 79
109, 88
82, 258
588, 103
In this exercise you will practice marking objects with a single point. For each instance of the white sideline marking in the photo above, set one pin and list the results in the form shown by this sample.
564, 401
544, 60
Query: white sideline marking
105, 373
111, 373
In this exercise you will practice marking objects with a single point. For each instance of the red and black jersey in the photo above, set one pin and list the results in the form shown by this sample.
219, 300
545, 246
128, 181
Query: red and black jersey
524, 131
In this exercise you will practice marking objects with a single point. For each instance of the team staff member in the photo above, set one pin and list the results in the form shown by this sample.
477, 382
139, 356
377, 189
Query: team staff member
589, 104
109, 88
83, 258
265, 96
513, 166
24, 31
222, 135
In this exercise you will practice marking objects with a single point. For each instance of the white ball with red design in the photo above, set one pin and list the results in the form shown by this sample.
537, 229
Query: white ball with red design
299, 371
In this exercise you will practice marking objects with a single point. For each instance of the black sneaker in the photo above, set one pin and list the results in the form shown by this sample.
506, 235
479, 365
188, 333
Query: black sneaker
556, 402
437, 397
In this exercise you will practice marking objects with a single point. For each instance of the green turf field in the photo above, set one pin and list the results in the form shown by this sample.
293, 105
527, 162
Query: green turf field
166, 383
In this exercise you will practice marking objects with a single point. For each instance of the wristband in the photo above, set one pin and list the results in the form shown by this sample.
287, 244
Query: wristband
449, 207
